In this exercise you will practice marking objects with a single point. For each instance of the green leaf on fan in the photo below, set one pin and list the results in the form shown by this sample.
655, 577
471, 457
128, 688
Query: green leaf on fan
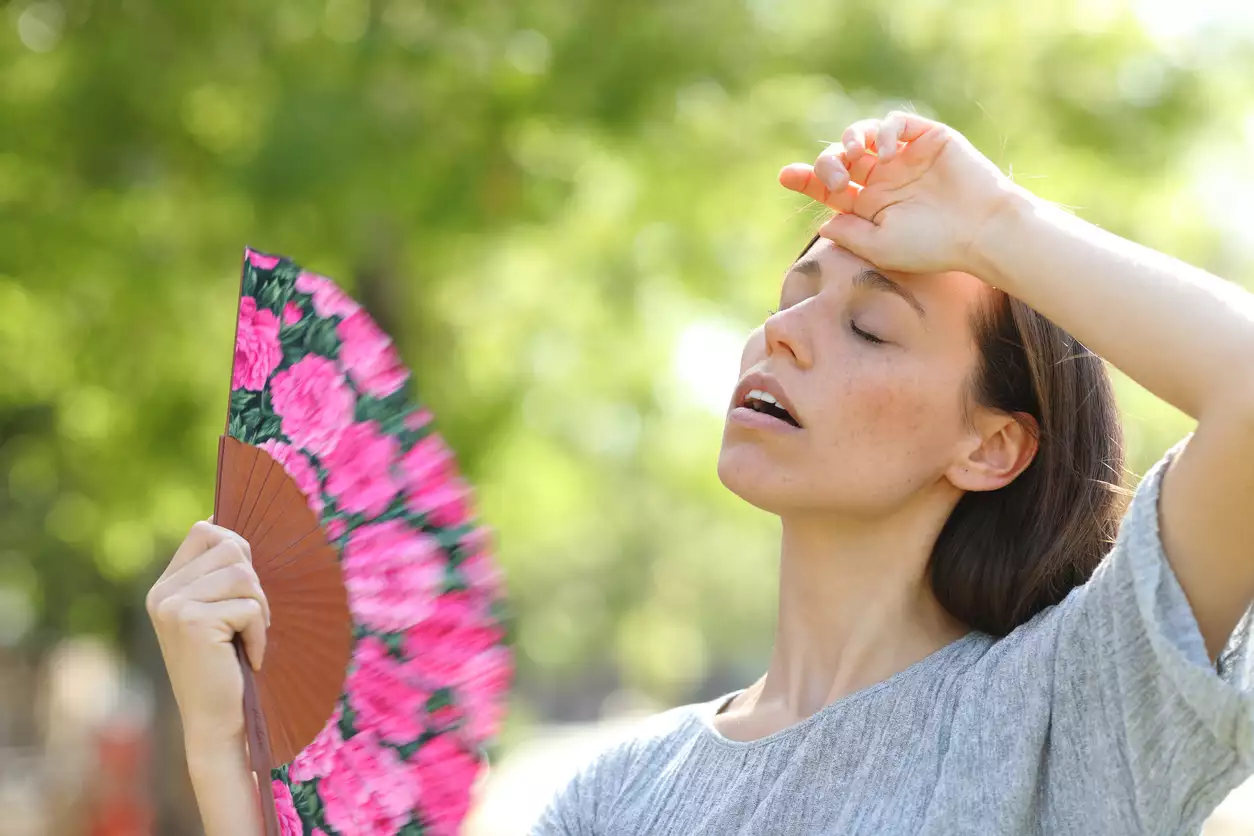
294, 334
406, 751
271, 295
285, 273
348, 720
453, 580
442, 698
242, 400
249, 285
269, 427
413, 828
395, 643
320, 338
305, 799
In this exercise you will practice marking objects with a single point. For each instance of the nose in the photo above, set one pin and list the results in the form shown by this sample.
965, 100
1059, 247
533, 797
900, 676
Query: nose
787, 335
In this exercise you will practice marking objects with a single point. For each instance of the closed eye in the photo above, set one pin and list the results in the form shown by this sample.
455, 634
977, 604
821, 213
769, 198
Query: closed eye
865, 335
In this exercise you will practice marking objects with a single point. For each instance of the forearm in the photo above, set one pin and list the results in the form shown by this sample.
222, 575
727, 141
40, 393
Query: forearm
1180, 332
226, 791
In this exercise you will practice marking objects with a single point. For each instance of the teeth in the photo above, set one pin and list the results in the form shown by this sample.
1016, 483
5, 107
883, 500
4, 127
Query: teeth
759, 395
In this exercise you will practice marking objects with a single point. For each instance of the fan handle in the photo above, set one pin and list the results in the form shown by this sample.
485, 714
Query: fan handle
258, 741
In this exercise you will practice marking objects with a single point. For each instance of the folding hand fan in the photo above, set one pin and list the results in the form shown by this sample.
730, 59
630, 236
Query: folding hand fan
385, 672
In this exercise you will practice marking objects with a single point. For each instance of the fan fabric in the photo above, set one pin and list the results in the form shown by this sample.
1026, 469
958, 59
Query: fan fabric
320, 387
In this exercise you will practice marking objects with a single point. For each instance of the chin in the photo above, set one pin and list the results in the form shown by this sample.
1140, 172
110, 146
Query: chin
746, 472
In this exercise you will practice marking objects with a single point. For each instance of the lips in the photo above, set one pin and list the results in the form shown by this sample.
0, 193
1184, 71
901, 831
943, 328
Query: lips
762, 393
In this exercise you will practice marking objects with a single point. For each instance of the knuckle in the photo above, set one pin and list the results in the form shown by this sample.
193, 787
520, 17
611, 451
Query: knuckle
201, 527
235, 552
240, 574
169, 611
152, 603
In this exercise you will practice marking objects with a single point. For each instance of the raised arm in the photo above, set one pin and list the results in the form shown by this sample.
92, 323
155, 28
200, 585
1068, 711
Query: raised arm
922, 199
207, 594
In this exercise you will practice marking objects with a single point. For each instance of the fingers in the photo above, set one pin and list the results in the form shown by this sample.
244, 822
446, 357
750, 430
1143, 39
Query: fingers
899, 126
239, 615
855, 234
830, 168
859, 138
802, 177
236, 580
203, 536
224, 572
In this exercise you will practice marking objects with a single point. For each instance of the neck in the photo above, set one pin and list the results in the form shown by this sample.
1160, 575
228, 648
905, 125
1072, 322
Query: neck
855, 607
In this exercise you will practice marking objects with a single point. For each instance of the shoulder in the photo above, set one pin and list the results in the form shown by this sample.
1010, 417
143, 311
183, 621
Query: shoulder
649, 740
636, 750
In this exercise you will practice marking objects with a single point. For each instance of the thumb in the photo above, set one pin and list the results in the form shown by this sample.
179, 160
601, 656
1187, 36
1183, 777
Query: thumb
857, 235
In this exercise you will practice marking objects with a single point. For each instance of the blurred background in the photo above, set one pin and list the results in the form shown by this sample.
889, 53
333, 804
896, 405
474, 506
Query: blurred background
566, 212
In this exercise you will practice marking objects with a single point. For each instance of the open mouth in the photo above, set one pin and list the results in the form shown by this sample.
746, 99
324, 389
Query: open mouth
765, 402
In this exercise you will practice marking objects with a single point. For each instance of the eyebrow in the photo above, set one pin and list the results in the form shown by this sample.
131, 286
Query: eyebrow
867, 279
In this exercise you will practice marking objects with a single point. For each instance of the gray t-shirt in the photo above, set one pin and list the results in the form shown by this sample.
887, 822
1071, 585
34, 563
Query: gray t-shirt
1102, 715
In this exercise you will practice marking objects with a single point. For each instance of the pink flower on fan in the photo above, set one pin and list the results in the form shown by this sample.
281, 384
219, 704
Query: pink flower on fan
418, 419
316, 759
432, 486
359, 469
299, 468
328, 299
383, 698
314, 403
456, 646
292, 313
392, 572
335, 528
263, 262
289, 819
446, 772
369, 790
369, 356
483, 688
482, 575
257, 351
477, 569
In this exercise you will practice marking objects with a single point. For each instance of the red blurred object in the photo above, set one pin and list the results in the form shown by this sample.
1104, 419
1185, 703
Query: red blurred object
118, 801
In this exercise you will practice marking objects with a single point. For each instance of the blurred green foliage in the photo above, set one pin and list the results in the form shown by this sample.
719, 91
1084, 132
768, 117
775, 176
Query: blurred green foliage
567, 214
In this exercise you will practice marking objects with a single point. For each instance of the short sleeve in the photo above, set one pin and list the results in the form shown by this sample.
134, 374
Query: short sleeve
570, 812
576, 808
1135, 696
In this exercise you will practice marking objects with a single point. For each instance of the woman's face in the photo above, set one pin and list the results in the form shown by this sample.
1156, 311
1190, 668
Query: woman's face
873, 367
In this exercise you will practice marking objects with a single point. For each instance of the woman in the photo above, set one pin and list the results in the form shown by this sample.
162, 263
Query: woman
944, 461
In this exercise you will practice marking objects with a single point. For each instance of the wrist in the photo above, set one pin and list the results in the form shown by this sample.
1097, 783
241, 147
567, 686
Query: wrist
213, 755
1001, 232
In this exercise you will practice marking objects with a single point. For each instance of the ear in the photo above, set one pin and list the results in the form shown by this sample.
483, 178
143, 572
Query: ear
1004, 445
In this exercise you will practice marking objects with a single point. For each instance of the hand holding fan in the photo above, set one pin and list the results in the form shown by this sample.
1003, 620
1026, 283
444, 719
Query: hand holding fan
385, 673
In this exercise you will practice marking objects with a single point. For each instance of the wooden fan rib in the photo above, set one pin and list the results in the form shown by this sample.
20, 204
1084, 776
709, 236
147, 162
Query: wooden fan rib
238, 461
275, 477
289, 518
311, 542
302, 707
328, 648
285, 507
256, 480
302, 579
297, 575
280, 543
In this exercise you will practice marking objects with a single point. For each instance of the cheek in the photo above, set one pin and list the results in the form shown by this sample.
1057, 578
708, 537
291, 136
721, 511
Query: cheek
883, 419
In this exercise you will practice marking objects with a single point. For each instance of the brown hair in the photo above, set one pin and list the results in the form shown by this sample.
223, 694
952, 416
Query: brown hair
1005, 555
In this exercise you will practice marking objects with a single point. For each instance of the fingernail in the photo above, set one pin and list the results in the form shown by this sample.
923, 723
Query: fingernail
832, 180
